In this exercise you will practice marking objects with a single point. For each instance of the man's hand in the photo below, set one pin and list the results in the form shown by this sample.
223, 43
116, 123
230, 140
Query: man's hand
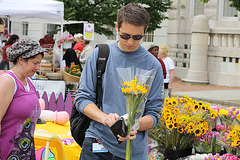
110, 119
131, 135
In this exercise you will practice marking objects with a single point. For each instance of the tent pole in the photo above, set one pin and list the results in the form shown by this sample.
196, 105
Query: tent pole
61, 35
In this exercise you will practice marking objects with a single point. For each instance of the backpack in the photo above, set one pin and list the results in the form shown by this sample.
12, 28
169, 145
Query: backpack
79, 122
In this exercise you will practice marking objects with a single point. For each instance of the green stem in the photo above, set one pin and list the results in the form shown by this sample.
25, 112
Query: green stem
129, 149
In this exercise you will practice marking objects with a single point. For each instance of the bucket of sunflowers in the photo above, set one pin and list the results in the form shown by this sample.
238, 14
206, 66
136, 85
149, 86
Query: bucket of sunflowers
71, 74
182, 120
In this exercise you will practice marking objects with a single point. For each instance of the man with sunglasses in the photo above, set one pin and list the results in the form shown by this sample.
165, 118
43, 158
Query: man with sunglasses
99, 142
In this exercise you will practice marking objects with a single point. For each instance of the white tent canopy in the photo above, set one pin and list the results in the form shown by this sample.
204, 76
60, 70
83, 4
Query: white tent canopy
44, 11
32, 10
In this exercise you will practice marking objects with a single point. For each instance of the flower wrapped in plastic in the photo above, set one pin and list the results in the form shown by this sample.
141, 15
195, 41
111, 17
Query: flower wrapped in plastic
135, 85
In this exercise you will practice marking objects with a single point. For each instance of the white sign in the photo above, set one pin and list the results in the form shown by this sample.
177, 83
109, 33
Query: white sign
49, 86
88, 31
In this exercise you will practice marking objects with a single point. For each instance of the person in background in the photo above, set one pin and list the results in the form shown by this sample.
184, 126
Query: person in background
170, 68
71, 58
78, 47
153, 49
20, 106
132, 24
4, 64
87, 50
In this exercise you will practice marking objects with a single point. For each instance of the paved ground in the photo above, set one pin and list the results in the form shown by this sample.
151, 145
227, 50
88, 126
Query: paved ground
227, 96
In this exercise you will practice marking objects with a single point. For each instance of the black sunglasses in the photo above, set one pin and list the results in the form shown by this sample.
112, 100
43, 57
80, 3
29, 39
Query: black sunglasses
127, 37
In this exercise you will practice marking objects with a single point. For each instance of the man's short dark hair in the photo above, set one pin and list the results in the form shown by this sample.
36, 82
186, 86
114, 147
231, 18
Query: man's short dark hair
133, 14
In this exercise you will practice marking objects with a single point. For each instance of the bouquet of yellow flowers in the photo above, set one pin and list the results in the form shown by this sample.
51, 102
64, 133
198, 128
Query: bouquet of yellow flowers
135, 86
74, 70
182, 120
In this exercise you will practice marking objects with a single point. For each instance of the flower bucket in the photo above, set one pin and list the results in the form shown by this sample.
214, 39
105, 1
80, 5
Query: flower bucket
171, 154
67, 45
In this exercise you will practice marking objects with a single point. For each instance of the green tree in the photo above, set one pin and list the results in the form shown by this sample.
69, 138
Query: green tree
103, 13
235, 3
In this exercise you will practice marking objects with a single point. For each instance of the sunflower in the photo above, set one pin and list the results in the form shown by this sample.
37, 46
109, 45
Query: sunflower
176, 110
196, 107
170, 103
167, 99
190, 127
200, 103
203, 107
205, 125
197, 132
170, 125
169, 118
214, 115
180, 128
175, 101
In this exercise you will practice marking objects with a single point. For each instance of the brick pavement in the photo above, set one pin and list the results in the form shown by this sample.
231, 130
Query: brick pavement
179, 86
216, 95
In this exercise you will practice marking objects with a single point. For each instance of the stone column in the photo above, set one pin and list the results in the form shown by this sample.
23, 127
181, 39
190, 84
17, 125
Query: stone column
197, 72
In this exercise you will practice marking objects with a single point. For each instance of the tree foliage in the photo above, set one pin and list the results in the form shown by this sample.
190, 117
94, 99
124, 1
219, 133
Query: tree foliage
235, 3
103, 13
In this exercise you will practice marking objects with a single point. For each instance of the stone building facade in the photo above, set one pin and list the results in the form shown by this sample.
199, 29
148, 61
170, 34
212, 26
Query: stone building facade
204, 41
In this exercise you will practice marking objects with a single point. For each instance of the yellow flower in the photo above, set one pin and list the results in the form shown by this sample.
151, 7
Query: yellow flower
126, 90
180, 128
197, 132
238, 117
214, 114
200, 103
203, 107
175, 101
205, 125
196, 107
167, 99
141, 89
176, 110
222, 112
170, 125
190, 110
169, 103
190, 127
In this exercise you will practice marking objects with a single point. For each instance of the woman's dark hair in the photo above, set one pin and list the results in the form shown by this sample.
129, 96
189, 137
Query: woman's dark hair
26, 59
12, 39
86, 41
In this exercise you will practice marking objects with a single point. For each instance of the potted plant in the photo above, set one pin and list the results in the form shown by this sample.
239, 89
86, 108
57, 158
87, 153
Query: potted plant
181, 121
66, 41
47, 42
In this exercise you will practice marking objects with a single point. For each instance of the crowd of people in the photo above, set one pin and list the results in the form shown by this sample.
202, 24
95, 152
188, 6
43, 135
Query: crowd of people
20, 105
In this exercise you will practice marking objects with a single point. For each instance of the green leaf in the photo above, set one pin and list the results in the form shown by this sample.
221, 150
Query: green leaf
104, 13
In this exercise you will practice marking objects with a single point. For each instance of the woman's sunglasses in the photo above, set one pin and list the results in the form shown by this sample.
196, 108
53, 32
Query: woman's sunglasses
127, 37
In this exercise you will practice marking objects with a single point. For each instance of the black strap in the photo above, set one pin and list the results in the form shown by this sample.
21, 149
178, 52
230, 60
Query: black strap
101, 65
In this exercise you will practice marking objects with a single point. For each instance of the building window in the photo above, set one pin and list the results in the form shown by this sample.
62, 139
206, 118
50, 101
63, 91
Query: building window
148, 37
51, 29
25, 28
198, 8
114, 36
229, 11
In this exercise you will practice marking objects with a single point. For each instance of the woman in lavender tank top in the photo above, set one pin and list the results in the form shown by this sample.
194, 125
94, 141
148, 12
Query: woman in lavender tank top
19, 105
